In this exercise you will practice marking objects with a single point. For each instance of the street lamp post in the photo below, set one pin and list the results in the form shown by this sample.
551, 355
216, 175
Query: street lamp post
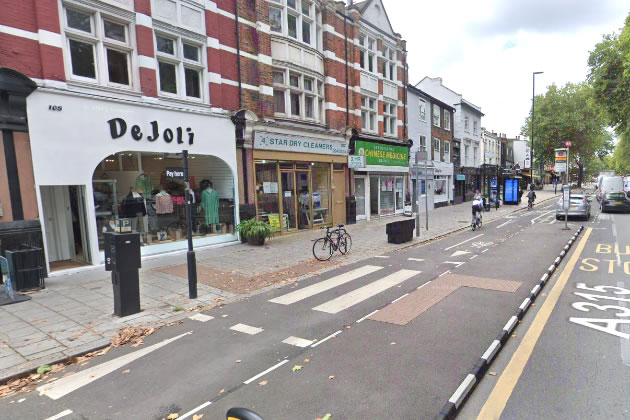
531, 149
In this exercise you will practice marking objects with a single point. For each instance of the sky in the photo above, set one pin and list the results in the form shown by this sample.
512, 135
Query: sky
487, 49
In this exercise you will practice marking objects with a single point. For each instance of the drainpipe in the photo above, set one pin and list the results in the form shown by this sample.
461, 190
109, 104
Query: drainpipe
405, 96
345, 33
238, 58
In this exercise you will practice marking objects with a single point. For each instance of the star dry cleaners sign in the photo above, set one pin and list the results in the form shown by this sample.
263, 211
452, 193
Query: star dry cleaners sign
289, 143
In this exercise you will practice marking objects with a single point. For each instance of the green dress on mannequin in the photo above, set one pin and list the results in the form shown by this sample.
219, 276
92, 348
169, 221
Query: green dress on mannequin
210, 204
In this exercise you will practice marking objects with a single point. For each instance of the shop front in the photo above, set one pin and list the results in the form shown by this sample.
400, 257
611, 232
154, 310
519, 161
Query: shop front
103, 165
299, 180
443, 184
380, 186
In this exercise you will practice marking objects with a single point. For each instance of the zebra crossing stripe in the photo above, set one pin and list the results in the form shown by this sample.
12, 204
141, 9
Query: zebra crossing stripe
325, 285
359, 295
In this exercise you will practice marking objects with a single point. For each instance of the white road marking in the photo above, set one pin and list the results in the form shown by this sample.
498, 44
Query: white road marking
446, 272
457, 263
367, 316
201, 317
484, 251
473, 257
381, 256
422, 285
264, 372
297, 341
323, 340
463, 242
458, 253
194, 410
247, 329
542, 215
322, 286
64, 413
415, 259
68, 384
505, 223
359, 295
396, 300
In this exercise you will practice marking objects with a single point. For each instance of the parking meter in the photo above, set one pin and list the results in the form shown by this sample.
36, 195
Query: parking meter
122, 258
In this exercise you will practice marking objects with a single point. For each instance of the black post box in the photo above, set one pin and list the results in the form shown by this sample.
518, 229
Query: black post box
122, 258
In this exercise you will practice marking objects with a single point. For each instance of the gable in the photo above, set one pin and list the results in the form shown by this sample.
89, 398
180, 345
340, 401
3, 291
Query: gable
374, 13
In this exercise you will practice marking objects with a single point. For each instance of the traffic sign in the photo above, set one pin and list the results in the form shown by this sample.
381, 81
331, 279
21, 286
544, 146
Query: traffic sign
568, 143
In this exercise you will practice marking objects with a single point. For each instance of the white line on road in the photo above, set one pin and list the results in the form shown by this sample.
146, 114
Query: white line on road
396, 300
457, 263
68, 384
473, 257
542, 215
322, 286
359, 295
458, 253
446, 272
505, 223
367, 316
323, 340
64, 413
297, 341
194, 410
415, 259
381, 256
463, 242
264, 372
247, 329
201, 317
484, 250
422, 285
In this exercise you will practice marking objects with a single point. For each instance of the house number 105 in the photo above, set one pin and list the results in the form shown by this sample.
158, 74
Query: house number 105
54, 107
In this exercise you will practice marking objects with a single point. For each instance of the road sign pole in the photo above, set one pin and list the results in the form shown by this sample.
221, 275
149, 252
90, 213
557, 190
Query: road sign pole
416, 207
426, 193
566, 206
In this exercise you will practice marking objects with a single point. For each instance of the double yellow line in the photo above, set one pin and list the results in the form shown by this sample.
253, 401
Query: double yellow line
494, 406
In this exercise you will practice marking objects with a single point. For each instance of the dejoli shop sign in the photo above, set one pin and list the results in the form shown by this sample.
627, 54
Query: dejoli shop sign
382, 154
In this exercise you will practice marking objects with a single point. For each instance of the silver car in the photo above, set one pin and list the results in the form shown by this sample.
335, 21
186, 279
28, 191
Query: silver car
579, 206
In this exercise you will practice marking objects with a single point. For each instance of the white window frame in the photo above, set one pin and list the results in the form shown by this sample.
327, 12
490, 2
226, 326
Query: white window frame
447, 151
181, 64
177, 20
369, 114
436, 151
422, 143
475, 127
314, 18
366, 52
423, 110
466, 154
316, 92
436, 115
447, 120
100, 45
388, 56
390, 126
466, 125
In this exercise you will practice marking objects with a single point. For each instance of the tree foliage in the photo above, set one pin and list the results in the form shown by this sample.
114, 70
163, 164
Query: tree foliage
621, 157
569, 113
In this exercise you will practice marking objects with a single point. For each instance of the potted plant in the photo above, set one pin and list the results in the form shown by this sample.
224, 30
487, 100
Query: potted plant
242, 228
257, 232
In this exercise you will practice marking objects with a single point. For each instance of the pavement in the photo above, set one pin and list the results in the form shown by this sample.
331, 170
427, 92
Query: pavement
73, 315
350, 341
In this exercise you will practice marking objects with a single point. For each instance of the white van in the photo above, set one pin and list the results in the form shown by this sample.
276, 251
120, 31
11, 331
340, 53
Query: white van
610, 184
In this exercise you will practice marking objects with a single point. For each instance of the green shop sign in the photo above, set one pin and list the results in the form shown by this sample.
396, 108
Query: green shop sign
382, 154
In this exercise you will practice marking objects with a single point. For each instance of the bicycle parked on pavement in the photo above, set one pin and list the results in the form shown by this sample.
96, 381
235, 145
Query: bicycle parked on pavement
334, 239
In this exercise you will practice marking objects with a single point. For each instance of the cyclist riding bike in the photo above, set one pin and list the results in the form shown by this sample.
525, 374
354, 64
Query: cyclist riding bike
477, 205
531, 197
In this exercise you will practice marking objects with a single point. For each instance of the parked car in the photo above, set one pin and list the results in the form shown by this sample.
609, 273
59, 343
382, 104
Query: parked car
579, 206
615, 201
609, 184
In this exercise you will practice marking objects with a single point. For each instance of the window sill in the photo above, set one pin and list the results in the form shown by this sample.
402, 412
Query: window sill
82, 85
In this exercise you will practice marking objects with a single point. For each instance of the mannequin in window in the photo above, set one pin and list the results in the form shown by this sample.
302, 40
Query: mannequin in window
144, 185
210, 204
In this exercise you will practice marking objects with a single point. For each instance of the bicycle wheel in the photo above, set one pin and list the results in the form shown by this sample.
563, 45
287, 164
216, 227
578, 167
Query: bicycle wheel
479, 222
322, 249
345, 243
474, 225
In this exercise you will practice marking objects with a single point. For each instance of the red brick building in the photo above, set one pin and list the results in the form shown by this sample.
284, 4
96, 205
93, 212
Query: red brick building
120, 87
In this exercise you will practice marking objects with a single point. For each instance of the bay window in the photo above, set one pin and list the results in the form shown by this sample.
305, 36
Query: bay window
98, 48
179, 66
368, 114
389, 119
297, 19
303, 93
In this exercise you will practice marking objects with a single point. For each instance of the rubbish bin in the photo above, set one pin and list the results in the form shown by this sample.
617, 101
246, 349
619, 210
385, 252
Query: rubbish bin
122, 258
351, 210
26, 267
400, 232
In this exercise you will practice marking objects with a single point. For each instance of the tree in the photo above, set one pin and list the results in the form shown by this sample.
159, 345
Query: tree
621, 157
569, 113
609, 75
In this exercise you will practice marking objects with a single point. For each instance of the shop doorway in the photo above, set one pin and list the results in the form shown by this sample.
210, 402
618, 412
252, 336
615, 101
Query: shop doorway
65, 226
339, 197
374, 196
289, 199
304, 198
360, 195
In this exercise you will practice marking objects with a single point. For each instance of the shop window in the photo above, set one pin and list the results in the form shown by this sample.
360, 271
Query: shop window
132, 192
303, 93
99, 48
303, 21
321, 193
267, 205
439, 188
180, 68
368, 114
